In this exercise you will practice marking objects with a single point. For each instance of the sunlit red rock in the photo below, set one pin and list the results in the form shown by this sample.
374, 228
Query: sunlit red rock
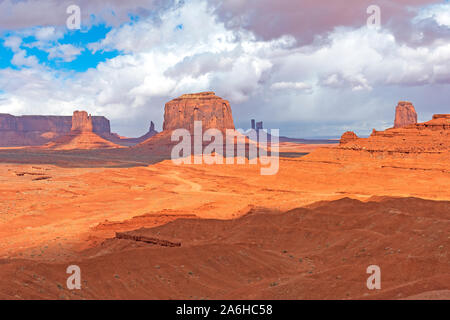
81, 135
213, 111
347, 137
38, 130
405, 114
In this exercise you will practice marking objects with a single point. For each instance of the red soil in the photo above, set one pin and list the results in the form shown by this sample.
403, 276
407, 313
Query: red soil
320, 252
80, 140
297, 245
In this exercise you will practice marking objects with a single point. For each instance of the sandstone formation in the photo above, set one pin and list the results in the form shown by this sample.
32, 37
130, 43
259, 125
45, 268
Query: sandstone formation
213, 111
429, 137
17, 131
422, 146
405, 114
347, 137
82, 122
180, 113
257, 125
124, 141
38, 130
81, 135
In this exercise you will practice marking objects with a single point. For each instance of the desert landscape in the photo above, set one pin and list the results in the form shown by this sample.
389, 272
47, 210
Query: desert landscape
142, 227
250, 155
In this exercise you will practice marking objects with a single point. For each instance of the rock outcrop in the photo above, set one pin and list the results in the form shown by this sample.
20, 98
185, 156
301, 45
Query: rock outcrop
18, 131
347, 137
81, 136
421, 146
428, 137
405, 115
37, 130
180, 113
82, 122
213, 111
123, 141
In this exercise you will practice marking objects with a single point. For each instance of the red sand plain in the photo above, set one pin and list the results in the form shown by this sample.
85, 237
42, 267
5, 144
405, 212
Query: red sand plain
51, 217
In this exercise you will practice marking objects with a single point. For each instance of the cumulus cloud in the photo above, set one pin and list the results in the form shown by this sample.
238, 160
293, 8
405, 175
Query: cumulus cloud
46, 39
30, 13
351, 75
309, 20
20, 57
65, 52
300, 86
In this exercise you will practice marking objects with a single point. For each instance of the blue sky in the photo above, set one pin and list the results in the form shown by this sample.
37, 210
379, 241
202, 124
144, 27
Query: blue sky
307, 68
79, 38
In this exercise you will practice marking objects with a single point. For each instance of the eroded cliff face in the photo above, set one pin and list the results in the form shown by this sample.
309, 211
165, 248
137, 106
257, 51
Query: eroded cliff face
181, 113
347, 137
38, 130
420, 146
213, 111
428, 137
81, 135
128, 142
82, 122
405, 115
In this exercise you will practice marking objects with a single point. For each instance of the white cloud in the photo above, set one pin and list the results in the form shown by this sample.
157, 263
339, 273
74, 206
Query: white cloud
187, 50
66, 52
300, 86
13, 43
20, 59
439, 12
30, 13
48, 34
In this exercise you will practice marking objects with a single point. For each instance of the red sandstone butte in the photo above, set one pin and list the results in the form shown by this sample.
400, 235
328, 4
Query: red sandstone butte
180, 113
81, 135
347, 137
213, 111
31, 130
82, 122
422, 145
405, 115
128, 142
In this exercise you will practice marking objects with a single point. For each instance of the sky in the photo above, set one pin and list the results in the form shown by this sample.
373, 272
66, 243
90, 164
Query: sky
311, 68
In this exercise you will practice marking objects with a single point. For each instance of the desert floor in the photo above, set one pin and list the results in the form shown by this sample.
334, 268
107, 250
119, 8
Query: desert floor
52, 214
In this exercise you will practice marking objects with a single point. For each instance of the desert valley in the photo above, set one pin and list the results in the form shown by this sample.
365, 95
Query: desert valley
140, 226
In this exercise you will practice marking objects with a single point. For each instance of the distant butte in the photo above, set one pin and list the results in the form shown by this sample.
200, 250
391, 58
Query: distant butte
427, 143
348, 136
180, 113
405, 114
16, 131
34, 130
81, 135
213, 111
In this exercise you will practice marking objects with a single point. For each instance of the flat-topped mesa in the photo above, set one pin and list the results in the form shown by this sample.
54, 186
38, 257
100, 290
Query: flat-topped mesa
200, 95
405, 114
37, 130
213, 111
